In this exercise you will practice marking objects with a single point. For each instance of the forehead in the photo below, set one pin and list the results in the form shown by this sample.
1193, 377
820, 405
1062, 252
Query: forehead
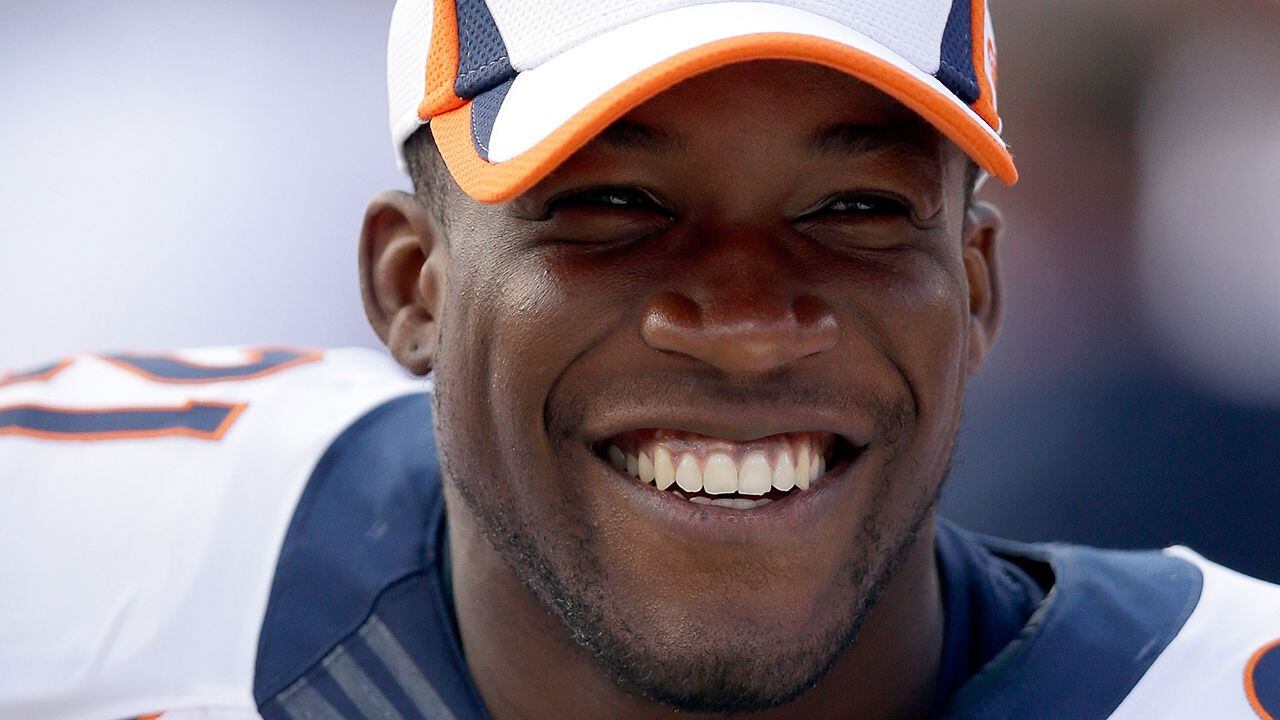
771, 127
780, 103
806, 89
762, 117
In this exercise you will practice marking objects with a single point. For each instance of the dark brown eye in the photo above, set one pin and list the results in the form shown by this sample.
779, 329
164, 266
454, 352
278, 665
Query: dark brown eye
608, 198
605, 215
863, 206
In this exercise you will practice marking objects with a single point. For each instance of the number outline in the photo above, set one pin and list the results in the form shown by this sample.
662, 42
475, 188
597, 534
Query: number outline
13, 378
193, 418
255, 355
233, 413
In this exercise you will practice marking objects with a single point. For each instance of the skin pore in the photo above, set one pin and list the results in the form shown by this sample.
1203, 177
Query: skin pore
767, 248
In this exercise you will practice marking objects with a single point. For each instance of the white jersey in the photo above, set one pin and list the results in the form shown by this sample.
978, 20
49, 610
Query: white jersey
239, 533
144, 504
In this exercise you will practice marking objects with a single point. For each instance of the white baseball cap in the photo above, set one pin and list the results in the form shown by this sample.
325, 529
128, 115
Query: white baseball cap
511, 88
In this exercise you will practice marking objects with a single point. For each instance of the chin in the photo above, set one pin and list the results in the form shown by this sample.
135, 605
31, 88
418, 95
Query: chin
723, 646
725, 669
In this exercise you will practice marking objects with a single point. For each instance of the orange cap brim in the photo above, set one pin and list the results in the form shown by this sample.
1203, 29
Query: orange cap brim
491, 182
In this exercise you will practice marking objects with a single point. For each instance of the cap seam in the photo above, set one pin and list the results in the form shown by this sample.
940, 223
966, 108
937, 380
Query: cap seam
481, 68
954, 118
970, 85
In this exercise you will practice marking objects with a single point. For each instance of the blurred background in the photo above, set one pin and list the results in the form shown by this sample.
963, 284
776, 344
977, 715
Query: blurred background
186, 173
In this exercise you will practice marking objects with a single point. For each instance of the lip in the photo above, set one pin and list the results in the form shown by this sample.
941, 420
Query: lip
711, 524
734, 424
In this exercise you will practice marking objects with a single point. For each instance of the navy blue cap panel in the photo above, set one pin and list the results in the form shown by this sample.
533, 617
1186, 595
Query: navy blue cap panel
484, 112
358, 528
955, 69
483, 60
1108, 617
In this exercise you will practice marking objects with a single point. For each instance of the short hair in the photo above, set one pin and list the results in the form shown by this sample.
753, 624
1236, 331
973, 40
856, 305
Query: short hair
972, 177
427, 171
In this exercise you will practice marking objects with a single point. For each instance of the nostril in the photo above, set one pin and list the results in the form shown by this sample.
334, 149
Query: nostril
816, 324
674, 309
811, 310
749, 336
670, 320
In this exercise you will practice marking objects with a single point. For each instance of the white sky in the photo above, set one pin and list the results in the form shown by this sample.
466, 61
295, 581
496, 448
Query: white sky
181, 173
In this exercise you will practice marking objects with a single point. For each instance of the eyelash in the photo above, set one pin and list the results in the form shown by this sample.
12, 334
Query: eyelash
608, 198
864, 205
860, 205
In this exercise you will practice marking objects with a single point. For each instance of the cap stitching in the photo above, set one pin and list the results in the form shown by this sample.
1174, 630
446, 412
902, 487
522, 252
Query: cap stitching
467, 75
494, 181
969, 84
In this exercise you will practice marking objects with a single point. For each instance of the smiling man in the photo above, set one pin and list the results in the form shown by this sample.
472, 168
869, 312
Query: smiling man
645, 406
700, 286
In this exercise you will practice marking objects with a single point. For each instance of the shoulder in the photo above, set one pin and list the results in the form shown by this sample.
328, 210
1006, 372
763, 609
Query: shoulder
1225, 660
359, 622
1129, 634
146, 501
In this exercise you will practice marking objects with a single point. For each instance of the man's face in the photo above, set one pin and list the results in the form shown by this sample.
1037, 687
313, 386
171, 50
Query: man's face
761, 269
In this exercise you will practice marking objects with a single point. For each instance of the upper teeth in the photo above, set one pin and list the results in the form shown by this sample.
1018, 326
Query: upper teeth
782, 462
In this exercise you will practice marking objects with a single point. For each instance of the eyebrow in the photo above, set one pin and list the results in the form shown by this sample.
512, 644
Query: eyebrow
842, 138
632, 135
855, 139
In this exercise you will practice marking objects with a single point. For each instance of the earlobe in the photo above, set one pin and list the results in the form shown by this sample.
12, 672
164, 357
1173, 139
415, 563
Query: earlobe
402, 266
986, 299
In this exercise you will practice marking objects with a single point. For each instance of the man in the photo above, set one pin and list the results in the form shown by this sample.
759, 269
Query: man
700, 285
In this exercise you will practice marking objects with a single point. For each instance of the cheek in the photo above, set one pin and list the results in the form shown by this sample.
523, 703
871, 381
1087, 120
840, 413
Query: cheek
515, 326
918, 318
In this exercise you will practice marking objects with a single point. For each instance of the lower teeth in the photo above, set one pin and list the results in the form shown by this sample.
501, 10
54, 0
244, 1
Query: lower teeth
735, 503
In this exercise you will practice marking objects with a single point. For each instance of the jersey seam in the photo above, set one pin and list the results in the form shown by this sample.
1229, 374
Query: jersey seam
277, 683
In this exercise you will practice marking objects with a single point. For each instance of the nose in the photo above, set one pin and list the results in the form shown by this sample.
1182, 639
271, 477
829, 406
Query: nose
737, 314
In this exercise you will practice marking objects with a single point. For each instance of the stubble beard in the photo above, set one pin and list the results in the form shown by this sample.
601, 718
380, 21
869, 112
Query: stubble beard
730, 675
726, 677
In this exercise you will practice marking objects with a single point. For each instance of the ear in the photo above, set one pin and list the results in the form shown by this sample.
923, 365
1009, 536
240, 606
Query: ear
986, 298
402, 274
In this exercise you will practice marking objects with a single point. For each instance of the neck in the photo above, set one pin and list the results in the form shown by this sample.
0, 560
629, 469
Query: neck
525, 665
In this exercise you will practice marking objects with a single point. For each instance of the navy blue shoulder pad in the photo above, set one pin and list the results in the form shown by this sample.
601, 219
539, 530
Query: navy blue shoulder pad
1106, 619
360, 526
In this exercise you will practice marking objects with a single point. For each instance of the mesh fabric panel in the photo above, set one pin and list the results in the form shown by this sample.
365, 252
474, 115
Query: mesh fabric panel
536, 31
483, 62
407, 47
955, 67
484, 111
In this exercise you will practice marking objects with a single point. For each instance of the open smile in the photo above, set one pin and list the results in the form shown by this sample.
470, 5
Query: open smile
739, 475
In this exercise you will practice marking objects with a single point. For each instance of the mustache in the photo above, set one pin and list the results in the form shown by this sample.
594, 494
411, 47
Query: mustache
568, 409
